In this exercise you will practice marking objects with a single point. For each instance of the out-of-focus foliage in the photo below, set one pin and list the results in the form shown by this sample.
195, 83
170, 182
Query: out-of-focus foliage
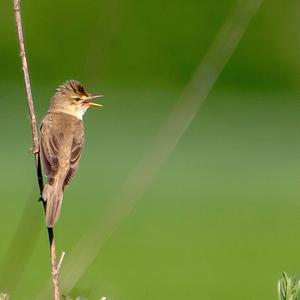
4, 296
288, 288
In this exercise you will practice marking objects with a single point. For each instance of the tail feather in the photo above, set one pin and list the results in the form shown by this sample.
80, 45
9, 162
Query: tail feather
53, 195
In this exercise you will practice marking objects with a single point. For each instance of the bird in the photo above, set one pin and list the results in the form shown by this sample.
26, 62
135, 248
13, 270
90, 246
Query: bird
62, 141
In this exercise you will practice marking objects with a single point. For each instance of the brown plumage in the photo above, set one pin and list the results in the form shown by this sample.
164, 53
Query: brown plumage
62, 139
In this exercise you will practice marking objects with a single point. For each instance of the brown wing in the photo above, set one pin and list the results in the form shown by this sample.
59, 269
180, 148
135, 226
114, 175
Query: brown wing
50, 144
76, 150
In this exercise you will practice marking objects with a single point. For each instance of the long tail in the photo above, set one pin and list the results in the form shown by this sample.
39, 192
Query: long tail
53, 195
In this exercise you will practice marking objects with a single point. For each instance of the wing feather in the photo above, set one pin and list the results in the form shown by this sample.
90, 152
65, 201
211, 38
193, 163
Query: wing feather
76, 150
50, 145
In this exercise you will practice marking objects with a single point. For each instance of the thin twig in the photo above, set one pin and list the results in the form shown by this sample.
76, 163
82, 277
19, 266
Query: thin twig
61, 261
35, 140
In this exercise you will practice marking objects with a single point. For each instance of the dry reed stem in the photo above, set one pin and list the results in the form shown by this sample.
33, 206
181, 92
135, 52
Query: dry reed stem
35, 139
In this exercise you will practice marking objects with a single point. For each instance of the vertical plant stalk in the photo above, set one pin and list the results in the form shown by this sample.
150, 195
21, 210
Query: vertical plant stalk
35, 140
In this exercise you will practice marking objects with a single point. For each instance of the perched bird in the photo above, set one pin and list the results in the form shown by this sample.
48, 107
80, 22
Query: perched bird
62, 139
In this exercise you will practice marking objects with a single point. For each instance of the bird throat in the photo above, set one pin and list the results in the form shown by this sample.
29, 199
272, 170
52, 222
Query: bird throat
77, 112
80, 112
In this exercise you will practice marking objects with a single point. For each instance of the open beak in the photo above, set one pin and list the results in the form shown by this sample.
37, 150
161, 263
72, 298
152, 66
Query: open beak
88, 103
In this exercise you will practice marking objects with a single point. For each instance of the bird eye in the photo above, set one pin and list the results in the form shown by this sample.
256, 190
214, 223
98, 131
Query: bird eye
77, 98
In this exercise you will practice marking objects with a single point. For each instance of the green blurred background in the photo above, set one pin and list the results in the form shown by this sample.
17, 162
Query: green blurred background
222, 218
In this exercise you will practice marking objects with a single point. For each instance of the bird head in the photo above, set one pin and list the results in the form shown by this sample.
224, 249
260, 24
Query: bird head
73, 99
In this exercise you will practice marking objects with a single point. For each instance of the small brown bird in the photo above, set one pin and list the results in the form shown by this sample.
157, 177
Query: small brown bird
62, 139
